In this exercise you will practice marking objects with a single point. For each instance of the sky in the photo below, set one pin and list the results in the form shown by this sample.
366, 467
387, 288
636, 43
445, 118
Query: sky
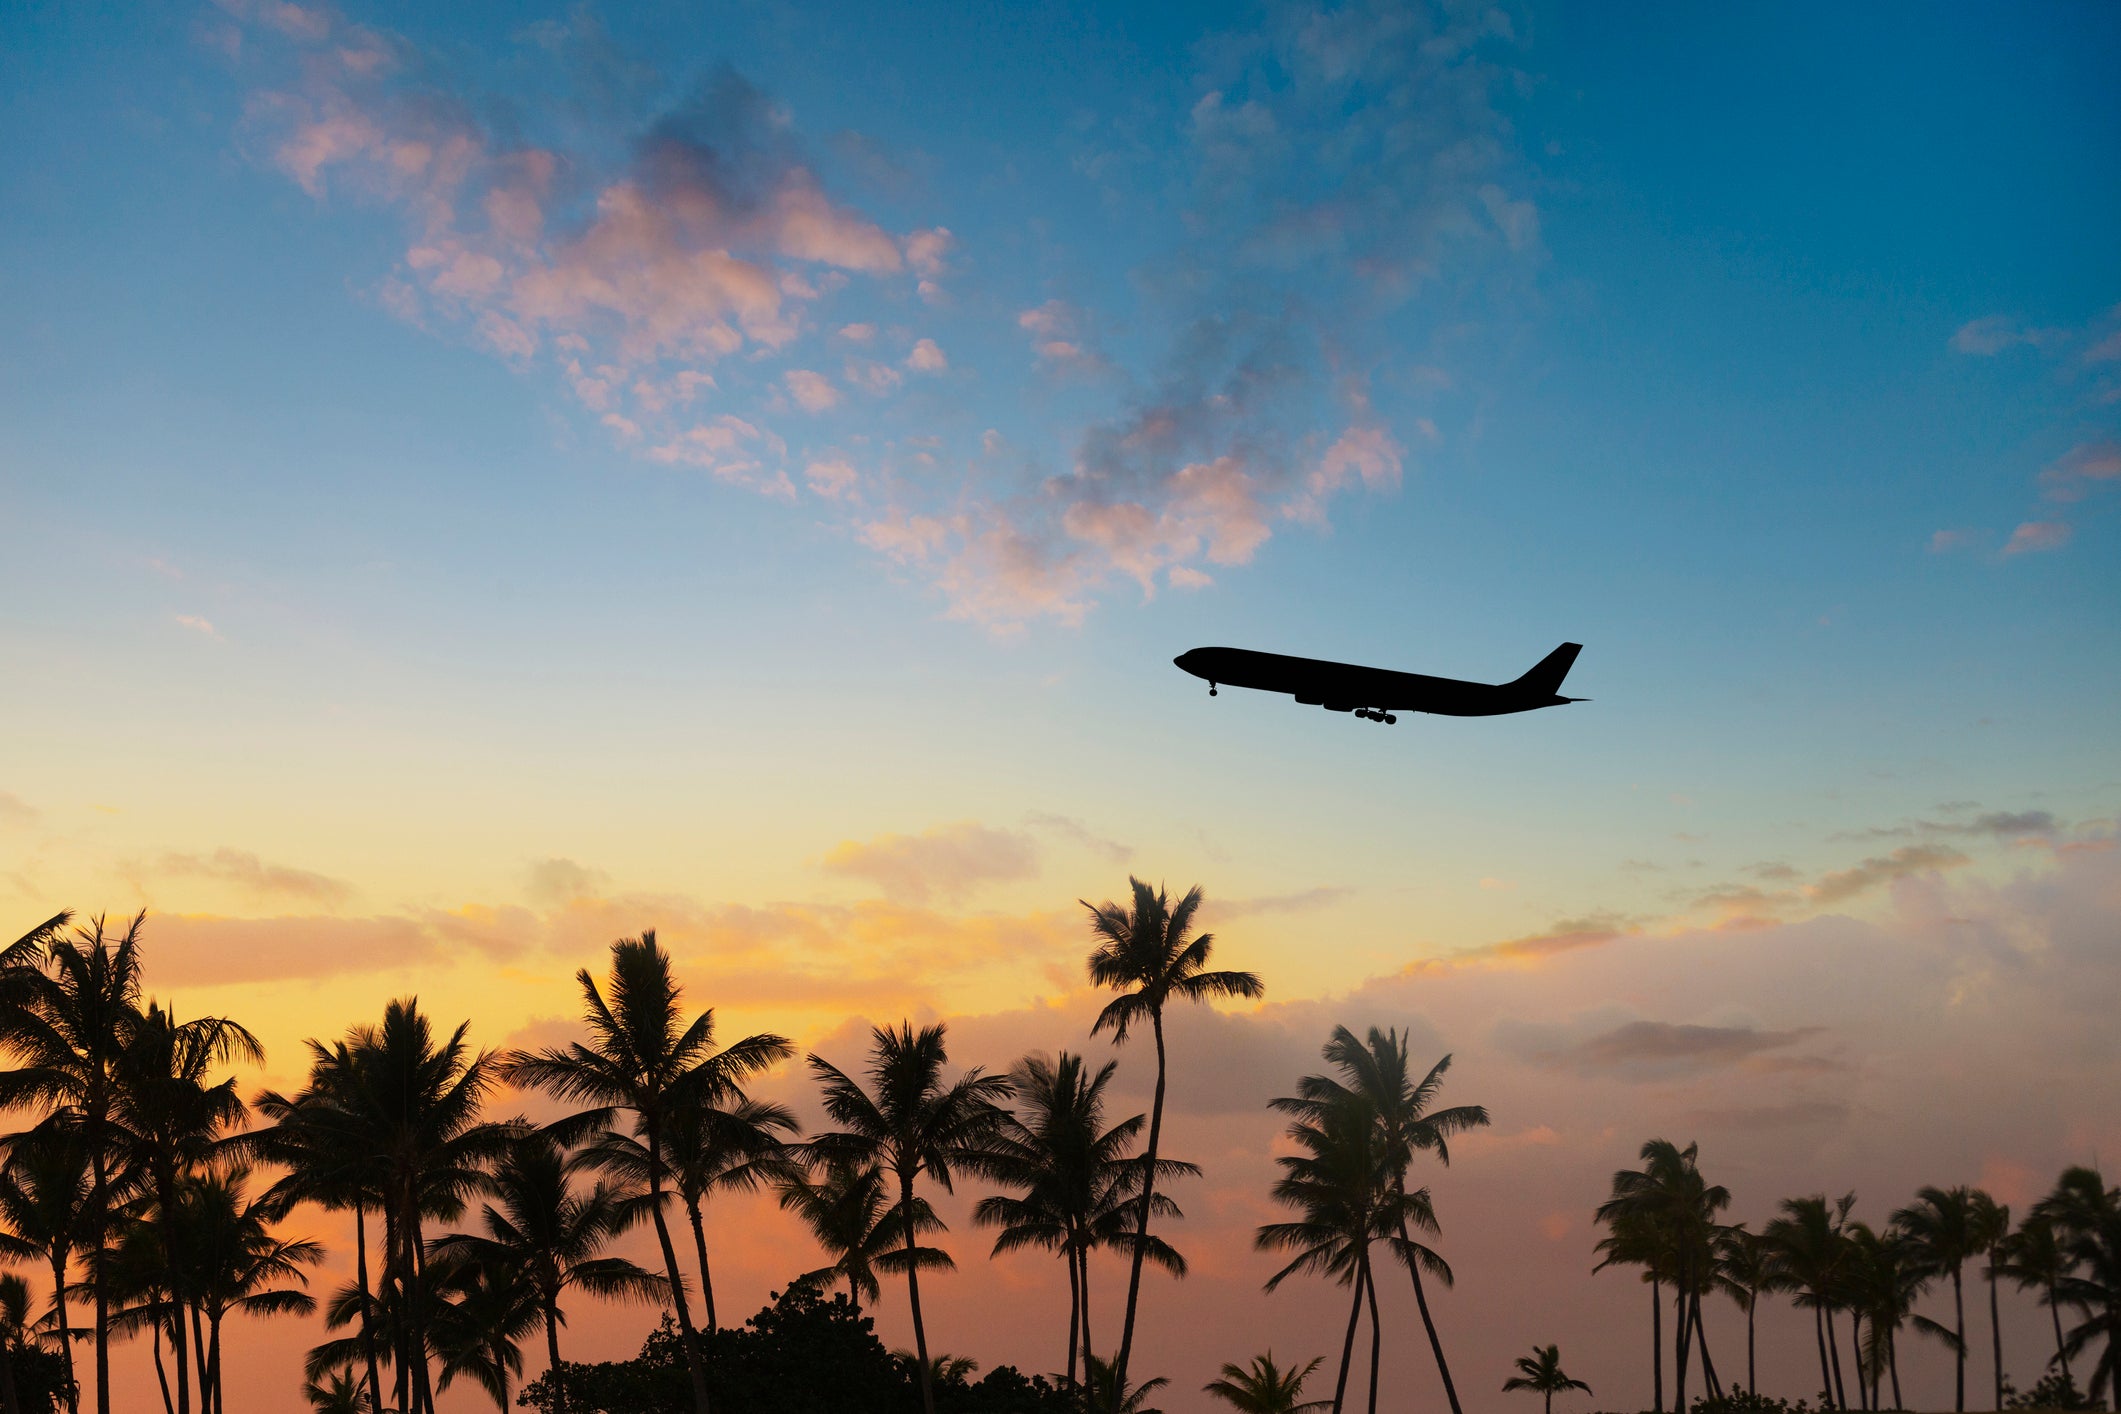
481, 481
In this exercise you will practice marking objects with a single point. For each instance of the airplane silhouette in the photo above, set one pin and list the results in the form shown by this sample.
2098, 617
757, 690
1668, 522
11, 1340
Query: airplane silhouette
1376, 693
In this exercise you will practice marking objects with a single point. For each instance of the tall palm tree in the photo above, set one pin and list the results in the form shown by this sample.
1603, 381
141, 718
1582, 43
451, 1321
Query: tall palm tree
329, 1140
643, 1060
45, 1189
542, 1227
1746, 1268
1884, 1274
1807, 1243
1266, 1388
1147, 953
1632, 1239
1674, 1210
1541, 1373
168, 1120
2086, 1215
67, 1030
242, 1265
1075, 1178
912, 1122
1942, 1224
733, 1144
2034, 1259
1339, 1186
1378, 1068
1992, 1229
849, 1212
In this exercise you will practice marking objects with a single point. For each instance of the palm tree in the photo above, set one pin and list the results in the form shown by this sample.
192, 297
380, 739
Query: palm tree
1806, 1241
1991, 1230
240, 1263
1148, 954
642, 1061
167, 1121
1884, 1274
45, 1189
337, 1392
910, 1122
1338, 1185
14, 1334
2086, 1215
1266, 1388
2034, 1259
1541, 1373
733, 1145
1077, 1184
67, 1029
1942, 1224
1378, 1068
849, 1212
1745, 1268
1106, 1393
543, 1229
1673, 1211
482, 1310
1632, 1239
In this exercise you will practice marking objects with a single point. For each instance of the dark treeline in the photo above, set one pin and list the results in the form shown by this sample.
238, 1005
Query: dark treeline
156, 1202
1860, 1283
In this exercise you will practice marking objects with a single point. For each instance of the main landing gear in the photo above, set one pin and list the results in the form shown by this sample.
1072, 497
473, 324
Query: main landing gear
1386, 717
1211, 689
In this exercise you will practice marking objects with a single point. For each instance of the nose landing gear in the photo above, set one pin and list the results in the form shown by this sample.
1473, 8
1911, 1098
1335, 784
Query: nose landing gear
1211, 689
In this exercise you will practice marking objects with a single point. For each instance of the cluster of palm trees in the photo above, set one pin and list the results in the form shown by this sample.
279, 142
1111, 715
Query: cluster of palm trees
1667, 1219
137, 1187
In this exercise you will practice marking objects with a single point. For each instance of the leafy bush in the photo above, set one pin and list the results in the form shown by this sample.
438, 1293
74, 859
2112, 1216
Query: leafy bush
2056, 1390
802, 1354
1740, 1400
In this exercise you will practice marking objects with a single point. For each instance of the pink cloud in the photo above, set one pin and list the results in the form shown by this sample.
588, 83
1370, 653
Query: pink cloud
2037, 535
927, 357
1995, 333
813, 392
2083, 467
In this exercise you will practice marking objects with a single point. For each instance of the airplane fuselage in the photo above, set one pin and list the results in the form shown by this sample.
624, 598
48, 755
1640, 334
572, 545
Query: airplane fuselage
1348, 687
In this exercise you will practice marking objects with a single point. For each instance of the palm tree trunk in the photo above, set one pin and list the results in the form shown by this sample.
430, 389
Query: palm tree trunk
552, 1355
1892, 1363
423, 1377
913, 1296
1347, 1346
1752, 1380
1995, 1329
198, 1342
1681, 1342
1708, 1363
161, 1376
1657, 1343
693, 1363
1421, 1300
368, 1321
1959, 1355
1826, 1376
2054, 1309
1550, 1402
1075, 1306
1088, 1351
1863, 1388
1833, 1344
97, 1274
1141, 1227
699, 1243
66, 1334
1376, 1329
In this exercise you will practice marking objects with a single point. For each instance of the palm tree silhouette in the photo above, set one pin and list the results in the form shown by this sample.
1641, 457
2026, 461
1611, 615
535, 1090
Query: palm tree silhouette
482, 1310
731, 1144
1106, 1393
2086, 1216
45, 1189
1807, 1242
14, 1337
238, 1263
1883, 1275
67, 1029
335, 1392
542, 1227
910, 1122
1339, 1185
1077, 1183
1632, 1239
1670, 1211
850, 1214
2033, 1258
641, 1061
1541, 1373
1266, 1388
1378, 1069
168, 1121
1942, 1223
1148, 953
1991, 1230
1745, 1268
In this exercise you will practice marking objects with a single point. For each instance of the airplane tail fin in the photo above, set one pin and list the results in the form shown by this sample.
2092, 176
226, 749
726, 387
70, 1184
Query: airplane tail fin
1547, 675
